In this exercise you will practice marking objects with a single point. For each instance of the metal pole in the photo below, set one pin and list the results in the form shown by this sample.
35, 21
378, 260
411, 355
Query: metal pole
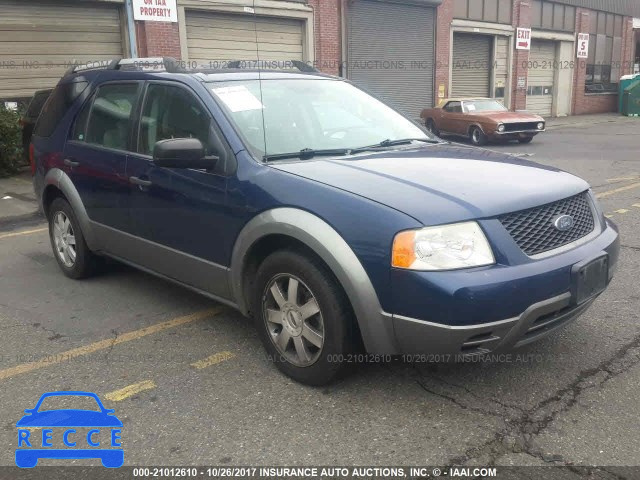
131, 26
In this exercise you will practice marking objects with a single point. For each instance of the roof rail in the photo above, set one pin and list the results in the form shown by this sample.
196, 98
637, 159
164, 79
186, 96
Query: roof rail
153, 64
98, 65
299, 64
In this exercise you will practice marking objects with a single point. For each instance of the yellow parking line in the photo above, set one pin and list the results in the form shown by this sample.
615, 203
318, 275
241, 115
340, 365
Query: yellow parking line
50, 360
637, 205
622, 210
24, 232
131, 390
213, 359
618, 190
622, 179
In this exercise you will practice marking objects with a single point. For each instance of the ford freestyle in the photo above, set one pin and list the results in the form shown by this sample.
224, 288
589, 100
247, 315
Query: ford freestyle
332, 220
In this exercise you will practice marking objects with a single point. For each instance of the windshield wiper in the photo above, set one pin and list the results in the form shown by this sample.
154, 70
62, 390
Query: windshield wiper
307, 153
394, 143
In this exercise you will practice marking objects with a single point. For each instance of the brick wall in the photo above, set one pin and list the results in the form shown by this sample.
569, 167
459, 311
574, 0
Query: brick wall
583, 102
327, 29
158, 39
521, 18
443, 47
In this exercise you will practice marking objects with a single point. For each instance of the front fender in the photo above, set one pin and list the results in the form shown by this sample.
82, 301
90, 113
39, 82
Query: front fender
376, 326
60, 180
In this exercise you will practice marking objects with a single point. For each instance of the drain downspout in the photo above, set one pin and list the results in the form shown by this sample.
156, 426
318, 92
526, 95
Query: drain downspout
131, 27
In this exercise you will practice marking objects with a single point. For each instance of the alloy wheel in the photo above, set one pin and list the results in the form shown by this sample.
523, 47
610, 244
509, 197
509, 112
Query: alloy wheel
293, 319
64, 239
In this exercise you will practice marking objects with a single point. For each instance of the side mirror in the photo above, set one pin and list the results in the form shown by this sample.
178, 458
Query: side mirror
182, 153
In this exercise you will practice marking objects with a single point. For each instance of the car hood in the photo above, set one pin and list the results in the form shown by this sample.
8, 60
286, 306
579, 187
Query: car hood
69, 418
511, 117
440, 184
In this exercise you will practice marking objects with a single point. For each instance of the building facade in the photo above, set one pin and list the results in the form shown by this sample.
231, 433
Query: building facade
412, 53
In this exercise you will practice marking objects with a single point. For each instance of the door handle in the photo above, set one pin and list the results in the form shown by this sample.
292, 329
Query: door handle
71, 163
141, 182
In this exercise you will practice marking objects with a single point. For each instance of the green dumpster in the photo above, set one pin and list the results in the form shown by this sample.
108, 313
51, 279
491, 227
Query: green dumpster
631, 100
625, 81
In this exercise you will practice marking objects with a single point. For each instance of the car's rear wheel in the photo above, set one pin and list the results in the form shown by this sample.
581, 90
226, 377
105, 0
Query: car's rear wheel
431, 126
303, 317
67, 240
525, 139
477, 136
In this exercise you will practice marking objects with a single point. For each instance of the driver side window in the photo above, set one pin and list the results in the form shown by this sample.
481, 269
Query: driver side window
171, 112
453, 107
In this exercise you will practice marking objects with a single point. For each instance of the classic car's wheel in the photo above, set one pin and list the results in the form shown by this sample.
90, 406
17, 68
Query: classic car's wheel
69, 247
303, 317
525, 139
477, 136
431, 126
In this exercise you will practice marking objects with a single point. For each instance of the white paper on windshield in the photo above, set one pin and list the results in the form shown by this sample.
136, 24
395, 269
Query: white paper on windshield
471, 107
238, 98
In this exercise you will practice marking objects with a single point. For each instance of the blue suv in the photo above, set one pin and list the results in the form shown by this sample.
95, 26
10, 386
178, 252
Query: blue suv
332, 220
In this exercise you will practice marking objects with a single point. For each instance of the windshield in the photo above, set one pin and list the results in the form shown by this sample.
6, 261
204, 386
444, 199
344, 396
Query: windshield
317, 114
483, 106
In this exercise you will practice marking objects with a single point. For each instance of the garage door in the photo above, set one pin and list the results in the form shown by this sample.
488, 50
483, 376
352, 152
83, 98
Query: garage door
39, 40
215, 37
391, 52
501, 68
540, 78
471, 70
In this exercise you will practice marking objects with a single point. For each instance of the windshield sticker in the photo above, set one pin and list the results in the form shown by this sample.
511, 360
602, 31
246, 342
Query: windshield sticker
238, 98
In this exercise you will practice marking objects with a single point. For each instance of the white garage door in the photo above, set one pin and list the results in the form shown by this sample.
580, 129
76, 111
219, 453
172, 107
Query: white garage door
540, 79
39, 40
216, 37
471, 69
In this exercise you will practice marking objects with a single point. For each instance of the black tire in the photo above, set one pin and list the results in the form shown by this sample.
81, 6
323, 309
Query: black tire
86, 262
431, 126
335, 314
525, 140
477, 136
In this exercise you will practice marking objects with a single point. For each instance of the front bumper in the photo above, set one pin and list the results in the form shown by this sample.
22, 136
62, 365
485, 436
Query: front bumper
488, 309
519, 132
515, 134
538, 321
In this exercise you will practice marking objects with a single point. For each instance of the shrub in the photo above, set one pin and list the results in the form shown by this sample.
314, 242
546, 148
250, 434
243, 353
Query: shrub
11, 155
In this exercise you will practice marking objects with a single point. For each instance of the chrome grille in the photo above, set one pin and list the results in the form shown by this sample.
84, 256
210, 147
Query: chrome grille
534, 231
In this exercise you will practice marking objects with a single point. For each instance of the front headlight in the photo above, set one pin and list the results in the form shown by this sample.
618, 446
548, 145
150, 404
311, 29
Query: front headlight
540, 126
447, 247
501, 127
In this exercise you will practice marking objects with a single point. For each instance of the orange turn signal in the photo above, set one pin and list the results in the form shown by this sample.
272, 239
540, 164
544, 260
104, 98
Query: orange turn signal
403, 254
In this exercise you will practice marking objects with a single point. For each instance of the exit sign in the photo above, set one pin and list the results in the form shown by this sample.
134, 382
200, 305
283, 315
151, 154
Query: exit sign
523, 39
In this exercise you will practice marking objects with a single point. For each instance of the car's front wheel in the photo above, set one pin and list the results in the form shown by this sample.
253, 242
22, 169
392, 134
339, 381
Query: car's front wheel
303, 317
68, 243
525, 139
431, 126
477, 136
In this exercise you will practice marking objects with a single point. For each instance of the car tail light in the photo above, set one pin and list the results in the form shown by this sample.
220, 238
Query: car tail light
32, 159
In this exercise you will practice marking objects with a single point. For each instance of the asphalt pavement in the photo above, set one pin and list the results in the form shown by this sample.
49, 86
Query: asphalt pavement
192, 384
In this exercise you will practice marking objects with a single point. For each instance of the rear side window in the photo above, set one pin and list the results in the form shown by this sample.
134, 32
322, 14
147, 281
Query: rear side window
37, 102
56, 106
110, 115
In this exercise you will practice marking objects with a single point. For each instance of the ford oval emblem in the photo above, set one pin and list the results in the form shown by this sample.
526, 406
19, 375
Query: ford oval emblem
563, 223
